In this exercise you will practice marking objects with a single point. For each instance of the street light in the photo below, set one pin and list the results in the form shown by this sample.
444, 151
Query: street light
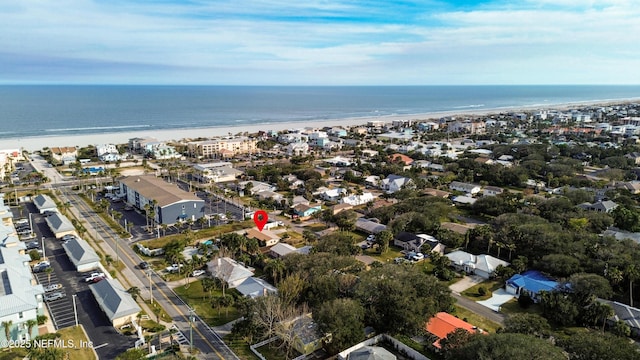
150, 285
75, 311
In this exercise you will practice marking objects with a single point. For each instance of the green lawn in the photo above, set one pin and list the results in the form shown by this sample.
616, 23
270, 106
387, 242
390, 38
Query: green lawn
159, 311
512, 307
81, 349
489, 285
391, 254
315, 227
475, 319
197, 298
13, 354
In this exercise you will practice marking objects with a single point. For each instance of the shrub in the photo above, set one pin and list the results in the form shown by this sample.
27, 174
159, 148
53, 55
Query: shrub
525, 300
482, 291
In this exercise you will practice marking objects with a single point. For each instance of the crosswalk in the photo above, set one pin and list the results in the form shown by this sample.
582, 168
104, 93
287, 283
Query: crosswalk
179, 336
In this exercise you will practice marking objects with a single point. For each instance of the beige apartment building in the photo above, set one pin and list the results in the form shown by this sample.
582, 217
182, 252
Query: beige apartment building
223, 147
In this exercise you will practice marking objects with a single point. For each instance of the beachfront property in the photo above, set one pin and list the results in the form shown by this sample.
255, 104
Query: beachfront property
7, 159
139, 145
223, 147
66, 155
217, 172
164, 203
107, 152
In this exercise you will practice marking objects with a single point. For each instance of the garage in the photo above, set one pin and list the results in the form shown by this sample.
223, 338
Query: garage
44, 204
116, 303
83, 257
60, 225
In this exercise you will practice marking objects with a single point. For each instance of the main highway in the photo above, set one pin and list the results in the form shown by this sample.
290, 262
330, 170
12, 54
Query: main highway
208, 343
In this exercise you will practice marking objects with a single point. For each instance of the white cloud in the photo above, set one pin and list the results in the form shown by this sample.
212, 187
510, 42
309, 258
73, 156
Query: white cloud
555, 41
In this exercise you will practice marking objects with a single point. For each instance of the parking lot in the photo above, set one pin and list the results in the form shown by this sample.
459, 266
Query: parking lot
108, 342
61, 311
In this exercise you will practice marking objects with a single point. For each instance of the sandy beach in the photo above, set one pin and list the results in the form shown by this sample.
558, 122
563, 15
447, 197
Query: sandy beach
37, 143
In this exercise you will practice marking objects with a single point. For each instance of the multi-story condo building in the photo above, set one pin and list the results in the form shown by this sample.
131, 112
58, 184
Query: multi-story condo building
223, 147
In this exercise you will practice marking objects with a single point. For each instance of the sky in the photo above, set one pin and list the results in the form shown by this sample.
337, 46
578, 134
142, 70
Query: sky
319, 42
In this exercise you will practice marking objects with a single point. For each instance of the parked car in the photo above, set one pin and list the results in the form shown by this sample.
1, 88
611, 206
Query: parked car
41, 268
52, 287
417, 257
68, 237
197, 272
92, 278
143, 265
173, 268
371, 238
54, 296
33, 245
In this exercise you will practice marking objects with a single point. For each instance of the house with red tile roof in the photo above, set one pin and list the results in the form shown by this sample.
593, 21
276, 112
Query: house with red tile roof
401, 158
442, 324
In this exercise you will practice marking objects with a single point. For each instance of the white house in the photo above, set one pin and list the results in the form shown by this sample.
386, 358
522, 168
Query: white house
395, 183
465, 187
333, 194
481, 265
492, 191
356, 200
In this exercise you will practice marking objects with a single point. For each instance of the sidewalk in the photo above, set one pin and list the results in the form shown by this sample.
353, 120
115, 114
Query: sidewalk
126, 276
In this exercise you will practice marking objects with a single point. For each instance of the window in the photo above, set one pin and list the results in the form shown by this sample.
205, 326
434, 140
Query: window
20, 315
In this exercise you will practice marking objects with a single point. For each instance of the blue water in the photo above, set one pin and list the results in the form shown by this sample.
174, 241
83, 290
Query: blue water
59, 110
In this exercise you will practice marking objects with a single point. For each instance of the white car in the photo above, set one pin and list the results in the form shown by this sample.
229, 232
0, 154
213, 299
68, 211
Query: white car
54, 296
173, 268
52, 287
94, 276
197, 272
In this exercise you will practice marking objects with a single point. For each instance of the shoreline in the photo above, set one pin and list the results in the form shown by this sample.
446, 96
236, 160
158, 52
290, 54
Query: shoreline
81, 140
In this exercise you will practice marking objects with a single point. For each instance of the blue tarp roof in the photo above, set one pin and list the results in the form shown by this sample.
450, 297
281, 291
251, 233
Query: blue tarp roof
533, 281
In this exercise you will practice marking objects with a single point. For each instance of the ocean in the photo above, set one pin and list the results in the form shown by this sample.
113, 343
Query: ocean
52, 110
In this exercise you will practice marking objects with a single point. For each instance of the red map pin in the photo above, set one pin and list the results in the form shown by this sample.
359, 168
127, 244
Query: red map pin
260, 218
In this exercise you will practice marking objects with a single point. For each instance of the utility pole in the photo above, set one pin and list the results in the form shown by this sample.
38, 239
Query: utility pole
191, 328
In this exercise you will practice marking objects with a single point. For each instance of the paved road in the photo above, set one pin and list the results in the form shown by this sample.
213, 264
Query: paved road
205, 339
479, 309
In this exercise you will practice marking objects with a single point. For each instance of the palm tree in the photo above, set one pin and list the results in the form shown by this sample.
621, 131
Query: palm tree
275, 268
31, 323
7, 329
48, 271
134, 291
633, 273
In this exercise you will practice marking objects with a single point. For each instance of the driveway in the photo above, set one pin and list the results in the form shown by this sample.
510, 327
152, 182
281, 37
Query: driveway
499, 297
466, 282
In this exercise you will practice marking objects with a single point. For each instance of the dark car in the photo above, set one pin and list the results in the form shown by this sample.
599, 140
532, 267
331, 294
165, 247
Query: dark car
33, 245
144, 265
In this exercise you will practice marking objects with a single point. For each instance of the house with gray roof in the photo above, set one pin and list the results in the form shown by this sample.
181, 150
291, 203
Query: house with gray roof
60, 225
81, 254
369, 226
115, 301
605, 206
169, 203
44, 203
21, 298
481, 265
229, 271
254, 287
626, 313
